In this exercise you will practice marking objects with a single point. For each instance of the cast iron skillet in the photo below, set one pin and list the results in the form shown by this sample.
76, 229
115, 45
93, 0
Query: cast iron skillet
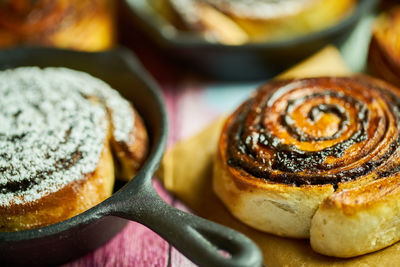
197, 238
243, 62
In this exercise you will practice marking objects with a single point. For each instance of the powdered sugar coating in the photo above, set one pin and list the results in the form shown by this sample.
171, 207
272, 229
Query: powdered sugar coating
262, 9
121, 111
52, 129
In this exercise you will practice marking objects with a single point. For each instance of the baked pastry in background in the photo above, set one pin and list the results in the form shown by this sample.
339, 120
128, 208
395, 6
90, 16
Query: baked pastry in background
384, 50
83, 25
241, 21
316, 158
58, 128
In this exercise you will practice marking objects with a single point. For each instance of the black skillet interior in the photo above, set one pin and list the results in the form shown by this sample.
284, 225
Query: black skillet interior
243, 62
197, 238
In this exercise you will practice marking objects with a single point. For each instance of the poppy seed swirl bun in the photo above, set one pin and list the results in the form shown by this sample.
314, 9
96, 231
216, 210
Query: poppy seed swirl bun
57, 130
316, 158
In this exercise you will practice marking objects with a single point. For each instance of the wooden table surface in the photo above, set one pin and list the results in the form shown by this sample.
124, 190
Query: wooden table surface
192, 102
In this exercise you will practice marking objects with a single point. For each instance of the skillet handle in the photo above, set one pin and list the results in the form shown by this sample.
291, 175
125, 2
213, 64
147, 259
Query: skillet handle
198, 239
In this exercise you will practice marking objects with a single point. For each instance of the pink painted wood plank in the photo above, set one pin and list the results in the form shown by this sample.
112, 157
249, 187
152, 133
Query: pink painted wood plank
193, 113
177, 259
171, 95
185, 115
135, 245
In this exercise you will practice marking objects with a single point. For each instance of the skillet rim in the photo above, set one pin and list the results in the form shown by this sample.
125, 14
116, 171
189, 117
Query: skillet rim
190, 40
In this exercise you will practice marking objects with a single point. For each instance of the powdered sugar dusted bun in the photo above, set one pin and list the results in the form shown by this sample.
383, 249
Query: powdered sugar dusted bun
129, 136
56, 130
121, 112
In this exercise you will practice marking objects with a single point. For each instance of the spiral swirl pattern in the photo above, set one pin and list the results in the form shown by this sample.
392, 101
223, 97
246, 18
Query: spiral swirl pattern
317, 131
53, 125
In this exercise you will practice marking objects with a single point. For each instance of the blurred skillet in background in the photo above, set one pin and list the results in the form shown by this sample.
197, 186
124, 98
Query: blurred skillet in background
248, 61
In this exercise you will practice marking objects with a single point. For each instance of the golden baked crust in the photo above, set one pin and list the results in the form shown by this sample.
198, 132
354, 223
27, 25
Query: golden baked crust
358, 220
238, 22
316, 158
131, 154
